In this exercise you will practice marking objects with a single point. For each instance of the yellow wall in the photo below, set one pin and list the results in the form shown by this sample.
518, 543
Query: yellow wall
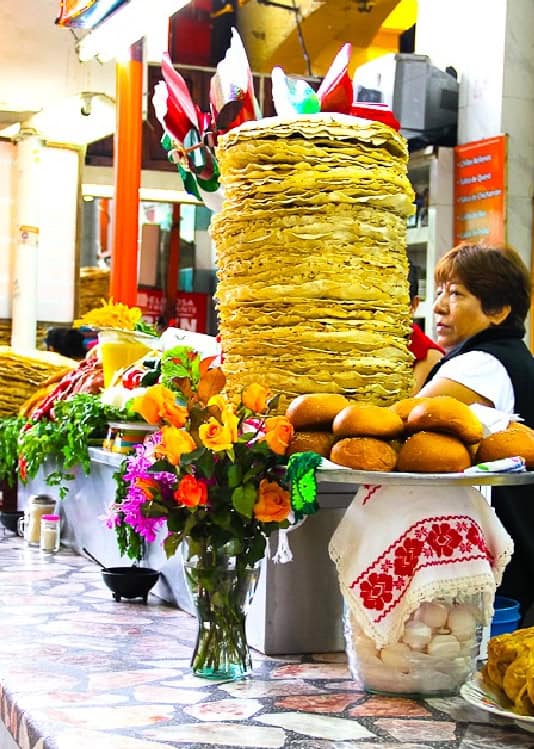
271, 38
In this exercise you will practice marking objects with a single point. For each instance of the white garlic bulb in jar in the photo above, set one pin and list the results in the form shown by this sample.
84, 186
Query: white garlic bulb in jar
434, 655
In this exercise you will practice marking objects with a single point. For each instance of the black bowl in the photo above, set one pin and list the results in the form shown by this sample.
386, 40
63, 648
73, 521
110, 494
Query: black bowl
130, 582
10, 520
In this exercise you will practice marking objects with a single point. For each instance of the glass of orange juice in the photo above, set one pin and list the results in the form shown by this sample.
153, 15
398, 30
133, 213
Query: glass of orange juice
120, 348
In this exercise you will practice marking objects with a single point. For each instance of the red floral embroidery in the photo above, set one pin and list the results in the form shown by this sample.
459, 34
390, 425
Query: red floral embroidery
407, 556
474, 536
433, 542
376, 591
443, 539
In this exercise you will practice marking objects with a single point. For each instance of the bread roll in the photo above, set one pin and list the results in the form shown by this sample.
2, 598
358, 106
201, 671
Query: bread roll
445, 414
367, 420
430, 452
364, 454
517, 439
315, 410
318, 442
404, 406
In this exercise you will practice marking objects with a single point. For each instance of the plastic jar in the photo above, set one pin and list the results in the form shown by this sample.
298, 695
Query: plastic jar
434, 655
50, 533
30, 525
506, 617
120, 348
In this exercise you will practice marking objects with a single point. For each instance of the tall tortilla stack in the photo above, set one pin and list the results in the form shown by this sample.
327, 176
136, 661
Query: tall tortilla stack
311, 257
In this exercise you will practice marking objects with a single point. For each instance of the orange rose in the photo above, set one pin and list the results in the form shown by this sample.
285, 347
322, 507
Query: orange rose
149, 487
255, 397
278, 432
174, 443
215, 436
273, 503
174, 414
158, 404
191, 492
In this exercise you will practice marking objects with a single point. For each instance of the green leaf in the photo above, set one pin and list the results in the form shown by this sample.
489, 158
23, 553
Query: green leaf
171, 543
192, 457
256, 549
234, 475
150, 377
243, 499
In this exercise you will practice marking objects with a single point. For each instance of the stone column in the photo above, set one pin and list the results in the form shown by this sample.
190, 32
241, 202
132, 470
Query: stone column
27, 222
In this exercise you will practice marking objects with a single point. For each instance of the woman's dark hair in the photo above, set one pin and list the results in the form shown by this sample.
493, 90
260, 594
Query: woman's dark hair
66, 341
413, 279
495, 275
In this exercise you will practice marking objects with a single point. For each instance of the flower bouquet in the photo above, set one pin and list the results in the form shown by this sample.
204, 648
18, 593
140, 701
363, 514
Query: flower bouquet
214, 474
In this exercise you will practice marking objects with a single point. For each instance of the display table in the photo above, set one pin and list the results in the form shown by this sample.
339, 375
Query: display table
80, 671
303, 590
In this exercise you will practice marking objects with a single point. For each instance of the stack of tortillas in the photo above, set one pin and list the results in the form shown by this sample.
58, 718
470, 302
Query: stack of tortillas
22, 374
93, 287
311, 256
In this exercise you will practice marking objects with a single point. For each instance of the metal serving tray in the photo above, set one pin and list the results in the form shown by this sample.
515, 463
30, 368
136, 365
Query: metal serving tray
384, 478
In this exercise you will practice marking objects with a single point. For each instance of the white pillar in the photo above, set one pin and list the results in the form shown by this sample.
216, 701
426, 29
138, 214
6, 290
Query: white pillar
26, 241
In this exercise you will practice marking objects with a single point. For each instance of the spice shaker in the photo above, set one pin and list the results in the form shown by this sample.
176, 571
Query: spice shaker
50, 533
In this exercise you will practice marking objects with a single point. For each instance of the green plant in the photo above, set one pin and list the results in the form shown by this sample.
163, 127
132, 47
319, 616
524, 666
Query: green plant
9, 433
64, 438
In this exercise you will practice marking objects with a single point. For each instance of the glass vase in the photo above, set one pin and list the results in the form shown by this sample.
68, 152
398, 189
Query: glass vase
222, 588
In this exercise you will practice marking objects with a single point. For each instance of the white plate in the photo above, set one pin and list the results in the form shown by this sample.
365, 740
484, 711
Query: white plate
481, 695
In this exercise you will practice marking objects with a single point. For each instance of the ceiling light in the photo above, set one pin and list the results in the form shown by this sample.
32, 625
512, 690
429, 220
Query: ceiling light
90, 191
77, 120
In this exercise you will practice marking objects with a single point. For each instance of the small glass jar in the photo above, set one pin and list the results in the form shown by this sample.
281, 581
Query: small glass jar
30, 525
50, 533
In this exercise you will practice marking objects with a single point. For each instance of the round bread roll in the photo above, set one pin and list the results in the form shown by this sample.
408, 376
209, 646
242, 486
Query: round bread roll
445, 414
317, 442
367, 420
404, 406
364, 454
430, 452
517, 439
315, 410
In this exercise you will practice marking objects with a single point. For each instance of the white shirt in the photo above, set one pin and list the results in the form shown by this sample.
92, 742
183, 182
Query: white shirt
484, 374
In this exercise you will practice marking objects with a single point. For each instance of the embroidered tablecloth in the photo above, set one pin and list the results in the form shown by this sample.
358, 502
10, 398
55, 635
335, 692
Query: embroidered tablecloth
399, 546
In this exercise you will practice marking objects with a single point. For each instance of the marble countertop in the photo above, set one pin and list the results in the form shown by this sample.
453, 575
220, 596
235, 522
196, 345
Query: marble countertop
79, 670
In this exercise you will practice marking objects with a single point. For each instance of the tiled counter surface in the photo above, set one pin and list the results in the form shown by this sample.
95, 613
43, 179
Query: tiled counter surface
80, 671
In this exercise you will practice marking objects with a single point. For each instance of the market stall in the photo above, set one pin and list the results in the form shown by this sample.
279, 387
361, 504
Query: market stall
211, 466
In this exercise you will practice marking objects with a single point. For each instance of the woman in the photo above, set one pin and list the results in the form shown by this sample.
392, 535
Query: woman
483, 297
